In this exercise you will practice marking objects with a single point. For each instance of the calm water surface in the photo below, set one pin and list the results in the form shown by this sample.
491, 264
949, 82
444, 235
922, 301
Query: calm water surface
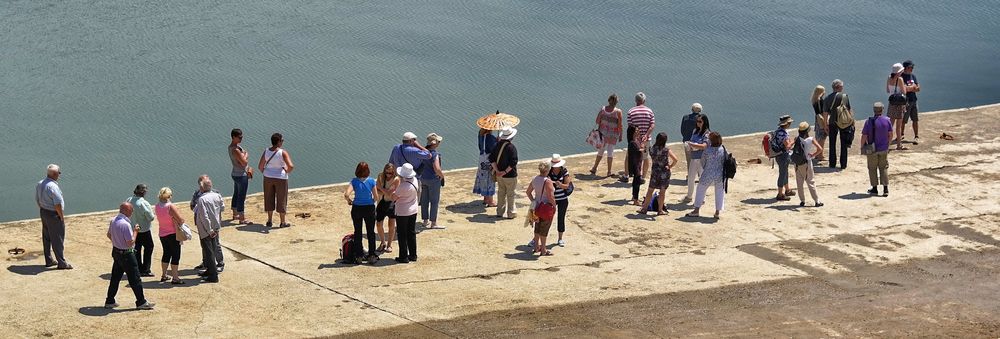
126, 92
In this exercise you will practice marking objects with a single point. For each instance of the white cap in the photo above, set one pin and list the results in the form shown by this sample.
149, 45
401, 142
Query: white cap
409, 136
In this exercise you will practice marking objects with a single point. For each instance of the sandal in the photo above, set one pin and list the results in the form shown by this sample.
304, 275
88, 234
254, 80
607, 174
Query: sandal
285, 225
164, 279
692, 215
593, 171
642, 211
177, 282
662, 213
388, 249
545, 253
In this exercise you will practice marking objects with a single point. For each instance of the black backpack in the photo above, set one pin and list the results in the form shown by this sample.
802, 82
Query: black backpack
729, 165
799, 153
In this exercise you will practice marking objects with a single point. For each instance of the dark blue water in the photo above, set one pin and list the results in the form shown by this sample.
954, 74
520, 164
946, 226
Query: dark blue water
120, 93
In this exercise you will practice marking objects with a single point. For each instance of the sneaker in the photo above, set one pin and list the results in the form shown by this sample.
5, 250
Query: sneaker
561, 243
402, 260
111, 305
438, 227
873, 191
66, 266
885, 192
199, 267
686, 200
148, 305
916, 140
531, 243
412, 258
802, 204
220, 268
147, 274
819, 204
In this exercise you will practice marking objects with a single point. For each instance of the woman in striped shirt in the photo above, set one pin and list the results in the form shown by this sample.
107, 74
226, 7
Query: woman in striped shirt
562, 183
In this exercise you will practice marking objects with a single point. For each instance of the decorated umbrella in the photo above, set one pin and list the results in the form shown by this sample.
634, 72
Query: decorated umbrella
498, 121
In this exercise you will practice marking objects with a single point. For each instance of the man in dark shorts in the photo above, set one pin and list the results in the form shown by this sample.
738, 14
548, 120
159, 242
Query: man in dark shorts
912, 87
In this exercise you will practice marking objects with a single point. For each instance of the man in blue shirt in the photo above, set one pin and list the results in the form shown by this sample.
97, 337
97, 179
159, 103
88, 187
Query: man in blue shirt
50, 203
409, 151
912, 87
122, 235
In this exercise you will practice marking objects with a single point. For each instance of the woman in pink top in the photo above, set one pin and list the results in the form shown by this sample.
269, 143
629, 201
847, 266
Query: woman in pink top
170, 221
609, 124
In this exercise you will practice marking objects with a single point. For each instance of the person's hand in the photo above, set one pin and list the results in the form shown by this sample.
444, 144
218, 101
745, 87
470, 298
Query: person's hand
213, 234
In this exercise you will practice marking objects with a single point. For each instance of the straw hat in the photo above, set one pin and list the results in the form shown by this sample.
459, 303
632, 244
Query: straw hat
406, 171
785, 120
434, 138
508, 133
557, 161
803, 126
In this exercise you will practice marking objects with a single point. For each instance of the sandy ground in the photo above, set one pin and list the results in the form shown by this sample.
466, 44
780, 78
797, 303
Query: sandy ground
921, 262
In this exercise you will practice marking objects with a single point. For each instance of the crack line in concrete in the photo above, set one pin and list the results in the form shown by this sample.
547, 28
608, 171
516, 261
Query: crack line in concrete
345, 295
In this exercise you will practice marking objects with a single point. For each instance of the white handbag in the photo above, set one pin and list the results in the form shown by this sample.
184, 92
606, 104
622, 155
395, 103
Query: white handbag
186, 230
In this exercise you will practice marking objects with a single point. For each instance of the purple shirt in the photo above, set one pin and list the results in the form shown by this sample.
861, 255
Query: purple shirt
121, 232
877, 129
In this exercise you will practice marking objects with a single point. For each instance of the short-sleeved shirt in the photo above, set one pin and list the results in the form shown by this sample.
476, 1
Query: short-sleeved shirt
427, 172
910, 80
832, 101
507, 159
363, 191
560, 176
878, 129
121, 232
48, 194
403, 153
712, 163
642, 118
780, 137
407, 197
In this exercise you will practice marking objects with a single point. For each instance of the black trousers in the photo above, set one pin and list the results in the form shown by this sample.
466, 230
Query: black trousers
366, 215
125, 263
636, 184
171, 249
846, 138
406, 235
208, 258
144, 250
561, 206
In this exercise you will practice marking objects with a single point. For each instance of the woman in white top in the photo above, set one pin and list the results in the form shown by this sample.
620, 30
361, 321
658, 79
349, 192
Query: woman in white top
894, 85
805, 173
276, 164
541, 191
406, 196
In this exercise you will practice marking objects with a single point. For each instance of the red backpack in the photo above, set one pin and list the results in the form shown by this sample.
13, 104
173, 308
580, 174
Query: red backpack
347, 248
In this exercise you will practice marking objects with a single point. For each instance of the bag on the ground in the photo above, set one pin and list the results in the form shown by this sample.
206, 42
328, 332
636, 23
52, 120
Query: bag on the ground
594, 139
654, 205
347, 249
845, 118
799, 153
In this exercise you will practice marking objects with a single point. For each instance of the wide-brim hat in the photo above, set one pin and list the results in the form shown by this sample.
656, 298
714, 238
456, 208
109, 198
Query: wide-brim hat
785, 120
803, 126
557, 160
406, 171
508, 133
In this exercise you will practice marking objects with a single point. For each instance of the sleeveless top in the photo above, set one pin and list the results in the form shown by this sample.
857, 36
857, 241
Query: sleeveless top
538, 185
895, 88
238, 171
276, 167
385, 186
166, 222
609, 125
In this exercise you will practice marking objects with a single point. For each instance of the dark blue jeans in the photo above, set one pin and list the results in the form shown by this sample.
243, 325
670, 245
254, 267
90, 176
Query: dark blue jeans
125, 263
240, 193
846, 138
783, 161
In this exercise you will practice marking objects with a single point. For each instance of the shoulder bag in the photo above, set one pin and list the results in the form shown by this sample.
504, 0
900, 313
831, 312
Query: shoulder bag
544, 211
493, 174
869, 147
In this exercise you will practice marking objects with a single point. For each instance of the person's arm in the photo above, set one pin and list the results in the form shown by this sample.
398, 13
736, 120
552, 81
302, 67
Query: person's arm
789, 142
109, 233
673, 159
395, 192
194, 198
437, 167
569, 180
864, 138
57, 198
288, 161
819, 148
698, 146
347, 194
649, 132
241, 156
374, 193
890, 135
529, 192
598, 119
620, 125
260, 164
59, 211
148, 209
551, 191
826, 114
175, 215
902, 85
